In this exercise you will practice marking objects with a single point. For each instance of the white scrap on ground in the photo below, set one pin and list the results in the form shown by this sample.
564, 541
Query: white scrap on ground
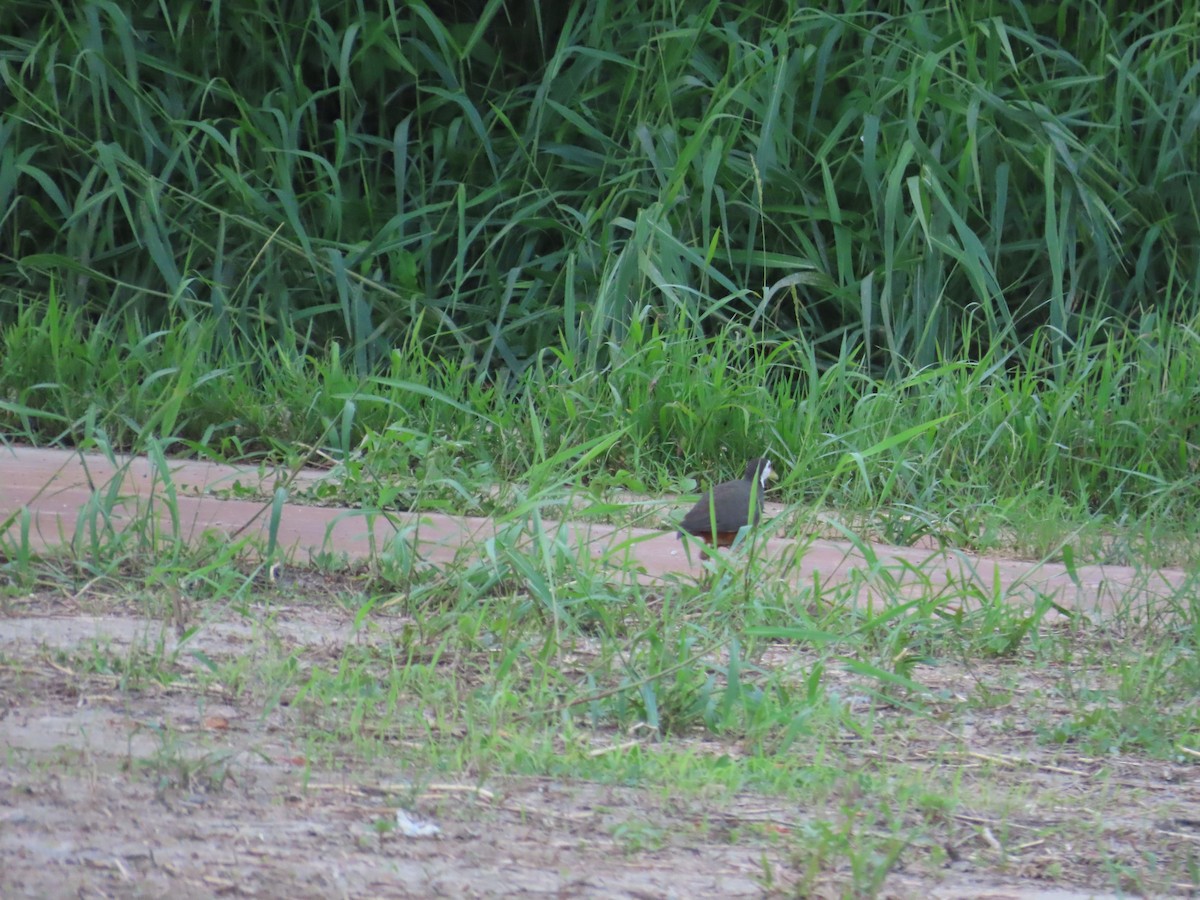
412, 827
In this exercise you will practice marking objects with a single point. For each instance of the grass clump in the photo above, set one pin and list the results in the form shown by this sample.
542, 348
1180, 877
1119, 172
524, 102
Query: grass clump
1092, 456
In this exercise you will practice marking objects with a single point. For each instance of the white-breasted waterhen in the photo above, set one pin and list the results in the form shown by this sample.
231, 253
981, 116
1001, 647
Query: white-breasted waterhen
721, 513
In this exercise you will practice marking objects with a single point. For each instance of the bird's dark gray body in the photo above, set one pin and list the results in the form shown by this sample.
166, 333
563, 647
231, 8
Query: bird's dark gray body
722, 512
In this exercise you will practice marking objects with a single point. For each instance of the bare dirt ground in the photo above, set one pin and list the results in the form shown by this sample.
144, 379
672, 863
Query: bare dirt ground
115, 784
165, 790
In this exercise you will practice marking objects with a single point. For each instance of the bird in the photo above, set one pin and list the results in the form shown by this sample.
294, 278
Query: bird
720, 514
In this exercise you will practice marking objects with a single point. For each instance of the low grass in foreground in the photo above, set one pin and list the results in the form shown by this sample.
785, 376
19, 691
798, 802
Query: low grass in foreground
904, 724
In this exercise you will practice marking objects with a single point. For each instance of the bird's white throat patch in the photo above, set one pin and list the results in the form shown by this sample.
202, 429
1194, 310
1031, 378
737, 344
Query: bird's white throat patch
766, 473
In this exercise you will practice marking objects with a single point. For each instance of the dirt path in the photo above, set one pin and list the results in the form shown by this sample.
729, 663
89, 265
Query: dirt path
120, 780
161, 789
54, 485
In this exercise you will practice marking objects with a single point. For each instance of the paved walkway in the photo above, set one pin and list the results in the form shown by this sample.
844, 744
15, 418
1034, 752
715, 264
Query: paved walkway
57, 487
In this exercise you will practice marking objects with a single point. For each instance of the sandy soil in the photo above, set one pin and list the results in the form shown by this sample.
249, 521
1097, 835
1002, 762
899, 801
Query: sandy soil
153, 790
163, 789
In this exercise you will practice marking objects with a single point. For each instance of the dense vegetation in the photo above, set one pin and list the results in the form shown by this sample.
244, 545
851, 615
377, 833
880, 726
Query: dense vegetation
718, 225
511, 175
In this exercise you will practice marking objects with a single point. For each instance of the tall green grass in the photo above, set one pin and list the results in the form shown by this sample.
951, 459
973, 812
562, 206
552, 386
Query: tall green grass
986, 452
532, 175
